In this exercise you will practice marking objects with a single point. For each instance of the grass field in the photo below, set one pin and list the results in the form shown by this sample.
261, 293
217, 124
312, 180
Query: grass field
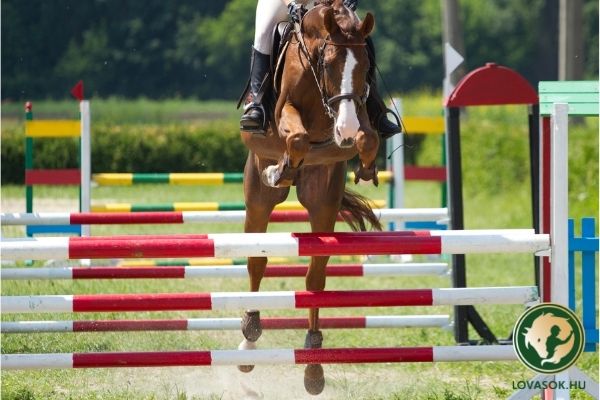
496, 196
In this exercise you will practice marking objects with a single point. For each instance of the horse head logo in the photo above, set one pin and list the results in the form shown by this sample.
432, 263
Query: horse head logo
551, 337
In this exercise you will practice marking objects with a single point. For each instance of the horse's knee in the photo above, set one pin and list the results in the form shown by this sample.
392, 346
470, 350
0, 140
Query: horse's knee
367, 141
298, 144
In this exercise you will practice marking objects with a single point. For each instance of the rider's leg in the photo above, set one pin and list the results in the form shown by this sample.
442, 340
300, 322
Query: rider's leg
268, 13
375, 106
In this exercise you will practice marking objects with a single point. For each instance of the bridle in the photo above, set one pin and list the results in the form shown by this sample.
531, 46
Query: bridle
320, 74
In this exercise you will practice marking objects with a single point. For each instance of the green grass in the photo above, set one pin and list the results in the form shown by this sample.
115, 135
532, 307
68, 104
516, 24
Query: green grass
496, 196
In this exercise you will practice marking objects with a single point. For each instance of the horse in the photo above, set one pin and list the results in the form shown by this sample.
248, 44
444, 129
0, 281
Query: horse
319, 122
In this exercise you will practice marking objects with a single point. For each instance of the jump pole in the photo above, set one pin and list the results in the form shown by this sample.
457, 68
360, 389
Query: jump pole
184, 217
267, 300
189, 178
201, 206
218, 324
259, 357
276, 244
230, 271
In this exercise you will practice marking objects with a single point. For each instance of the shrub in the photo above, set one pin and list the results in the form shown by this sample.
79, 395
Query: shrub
133, 148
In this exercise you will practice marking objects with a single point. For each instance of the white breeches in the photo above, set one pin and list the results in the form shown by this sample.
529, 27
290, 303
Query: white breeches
268, 14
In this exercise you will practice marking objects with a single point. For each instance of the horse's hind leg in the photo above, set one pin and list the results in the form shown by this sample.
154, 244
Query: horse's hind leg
260, 201
320, 190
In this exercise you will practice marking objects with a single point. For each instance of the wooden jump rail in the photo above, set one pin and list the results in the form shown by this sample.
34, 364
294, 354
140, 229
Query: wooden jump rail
233, 324
179, 217
200, 206
258, 357
276, 244
231, 271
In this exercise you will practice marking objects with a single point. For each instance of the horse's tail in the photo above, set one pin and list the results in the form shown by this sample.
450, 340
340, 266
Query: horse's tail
356, 211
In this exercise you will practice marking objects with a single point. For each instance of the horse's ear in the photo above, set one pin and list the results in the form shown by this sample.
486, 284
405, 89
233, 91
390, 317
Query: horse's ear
367, 24
330, 24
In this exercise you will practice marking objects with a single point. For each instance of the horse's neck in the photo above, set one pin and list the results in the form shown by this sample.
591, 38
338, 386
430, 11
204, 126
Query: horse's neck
303, 92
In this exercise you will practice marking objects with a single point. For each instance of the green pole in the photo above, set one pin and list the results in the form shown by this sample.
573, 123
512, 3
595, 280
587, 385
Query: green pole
28, 159
444, 185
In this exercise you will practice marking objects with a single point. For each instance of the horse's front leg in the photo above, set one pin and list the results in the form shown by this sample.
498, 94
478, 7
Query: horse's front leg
297, 144
314, 376
367, 144
320, 190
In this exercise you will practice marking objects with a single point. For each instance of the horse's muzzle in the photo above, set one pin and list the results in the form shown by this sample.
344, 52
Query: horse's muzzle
341, 142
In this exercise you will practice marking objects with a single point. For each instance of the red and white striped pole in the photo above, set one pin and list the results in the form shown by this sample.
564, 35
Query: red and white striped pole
268, 300
276, 244
213, 324
222, 271
259, 357
184, 217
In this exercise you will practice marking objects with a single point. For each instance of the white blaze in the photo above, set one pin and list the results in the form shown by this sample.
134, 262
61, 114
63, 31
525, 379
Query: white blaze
347, 122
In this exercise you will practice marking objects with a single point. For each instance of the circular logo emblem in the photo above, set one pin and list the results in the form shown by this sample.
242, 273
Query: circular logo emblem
548, 338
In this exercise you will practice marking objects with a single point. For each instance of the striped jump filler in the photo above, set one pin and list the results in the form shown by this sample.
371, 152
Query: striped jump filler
276, 244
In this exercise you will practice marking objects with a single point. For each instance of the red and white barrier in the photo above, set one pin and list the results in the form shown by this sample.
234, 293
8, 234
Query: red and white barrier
217, 324
259, 357
229, 271
268, 300
276, 244
184, 217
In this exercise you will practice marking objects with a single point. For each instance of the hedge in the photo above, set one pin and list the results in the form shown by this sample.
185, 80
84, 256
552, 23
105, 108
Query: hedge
133, 148
143, 148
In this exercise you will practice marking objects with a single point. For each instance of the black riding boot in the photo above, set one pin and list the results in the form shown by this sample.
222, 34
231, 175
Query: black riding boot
375, 106
378, 115
254, 119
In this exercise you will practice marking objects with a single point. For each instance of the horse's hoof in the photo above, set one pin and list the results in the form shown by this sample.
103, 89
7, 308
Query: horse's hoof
270, 176
245, 368
366, 174
313, 340
246, 345
251, 326
314, 379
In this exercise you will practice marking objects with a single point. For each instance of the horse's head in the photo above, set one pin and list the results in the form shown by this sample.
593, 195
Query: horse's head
342, 64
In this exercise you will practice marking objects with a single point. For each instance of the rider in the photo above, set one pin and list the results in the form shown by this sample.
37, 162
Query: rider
268, 14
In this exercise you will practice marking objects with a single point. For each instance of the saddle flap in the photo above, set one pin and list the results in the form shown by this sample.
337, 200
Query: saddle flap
281, 36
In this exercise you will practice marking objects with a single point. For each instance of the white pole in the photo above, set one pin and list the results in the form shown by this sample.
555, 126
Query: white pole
559, 204
86, 162
398, 167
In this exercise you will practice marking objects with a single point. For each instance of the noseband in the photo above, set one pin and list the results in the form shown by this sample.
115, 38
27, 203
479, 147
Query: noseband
320, 74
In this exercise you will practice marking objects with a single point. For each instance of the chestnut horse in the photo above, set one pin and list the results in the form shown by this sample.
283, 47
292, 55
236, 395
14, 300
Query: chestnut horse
318, 124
